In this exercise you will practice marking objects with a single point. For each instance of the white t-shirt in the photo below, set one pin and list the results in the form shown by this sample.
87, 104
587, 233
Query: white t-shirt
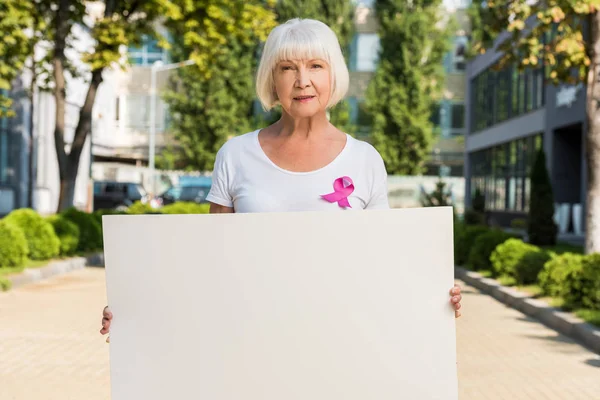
247, 180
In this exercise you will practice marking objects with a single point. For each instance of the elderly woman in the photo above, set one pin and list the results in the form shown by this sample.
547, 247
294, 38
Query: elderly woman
292, 164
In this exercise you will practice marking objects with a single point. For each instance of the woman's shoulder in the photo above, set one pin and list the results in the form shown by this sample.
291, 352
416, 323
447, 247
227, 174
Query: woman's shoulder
238, 144
365, 149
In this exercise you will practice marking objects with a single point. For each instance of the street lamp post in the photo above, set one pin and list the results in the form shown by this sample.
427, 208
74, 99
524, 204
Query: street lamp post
156, 67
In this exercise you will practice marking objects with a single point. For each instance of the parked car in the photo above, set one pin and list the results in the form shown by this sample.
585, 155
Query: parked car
191, 193
112, 195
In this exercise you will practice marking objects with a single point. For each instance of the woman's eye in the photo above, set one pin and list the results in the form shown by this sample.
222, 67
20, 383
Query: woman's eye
286, 68
317, 66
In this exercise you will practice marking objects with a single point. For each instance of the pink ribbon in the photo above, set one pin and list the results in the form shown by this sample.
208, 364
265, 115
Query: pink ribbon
343, 187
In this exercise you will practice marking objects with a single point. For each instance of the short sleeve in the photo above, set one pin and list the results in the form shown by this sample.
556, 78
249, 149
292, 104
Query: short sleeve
379, 185
220, 192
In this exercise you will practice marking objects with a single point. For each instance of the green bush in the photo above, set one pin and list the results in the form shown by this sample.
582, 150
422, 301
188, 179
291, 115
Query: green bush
13, 245
141, 208
185, 208
562, 277
473, 217
5, 284
590, 281
463, 242
531, 265
518, 260
67, 232
41, 239
482, 248
90, 231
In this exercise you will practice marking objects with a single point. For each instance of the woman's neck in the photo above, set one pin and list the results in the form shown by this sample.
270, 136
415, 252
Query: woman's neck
301, 128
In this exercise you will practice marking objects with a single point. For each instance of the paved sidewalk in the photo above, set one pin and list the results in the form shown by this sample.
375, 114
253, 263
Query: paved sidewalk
50, 347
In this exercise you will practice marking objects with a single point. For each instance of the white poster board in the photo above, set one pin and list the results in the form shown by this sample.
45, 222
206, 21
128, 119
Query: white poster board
282, 306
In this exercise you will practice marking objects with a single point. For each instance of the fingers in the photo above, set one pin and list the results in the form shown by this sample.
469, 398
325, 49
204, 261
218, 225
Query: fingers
457, 314
107, 317
455, 290
105, 326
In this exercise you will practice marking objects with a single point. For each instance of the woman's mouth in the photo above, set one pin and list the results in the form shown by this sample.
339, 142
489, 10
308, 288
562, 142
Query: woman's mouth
304, 99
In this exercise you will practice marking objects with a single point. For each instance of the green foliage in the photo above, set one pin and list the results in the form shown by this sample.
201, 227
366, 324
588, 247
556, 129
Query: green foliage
483, 246
473, 217
541, 227
5, 284
90, 231
440, 196
408, 81
15, 17
562, 277
42, 241
590, 281
13, 245
518, 260
554, 40
67, 232
141, 208
464, 238
210, 105
182, 207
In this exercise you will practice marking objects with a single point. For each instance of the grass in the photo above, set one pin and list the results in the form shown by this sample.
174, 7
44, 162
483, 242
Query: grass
591, 316
486, 273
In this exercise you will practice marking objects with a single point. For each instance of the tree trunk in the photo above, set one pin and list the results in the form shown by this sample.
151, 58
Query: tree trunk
67, 193
592, 217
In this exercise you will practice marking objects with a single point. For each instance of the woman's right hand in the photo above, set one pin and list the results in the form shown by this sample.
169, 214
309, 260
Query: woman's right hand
106, 318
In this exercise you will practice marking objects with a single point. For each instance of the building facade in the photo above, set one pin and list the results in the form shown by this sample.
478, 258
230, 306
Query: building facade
511, 115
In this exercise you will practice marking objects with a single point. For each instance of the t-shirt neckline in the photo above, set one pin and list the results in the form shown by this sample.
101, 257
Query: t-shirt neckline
333, 162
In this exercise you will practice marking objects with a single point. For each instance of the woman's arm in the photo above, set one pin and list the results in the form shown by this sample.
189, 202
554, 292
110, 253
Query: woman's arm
219, 209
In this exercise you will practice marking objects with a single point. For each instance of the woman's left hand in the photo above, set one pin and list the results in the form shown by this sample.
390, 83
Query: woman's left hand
455, 300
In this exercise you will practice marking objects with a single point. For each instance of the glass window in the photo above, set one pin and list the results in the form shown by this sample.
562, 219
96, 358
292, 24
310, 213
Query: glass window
458, 116
435, 114
540, 92
3, 155
367, 48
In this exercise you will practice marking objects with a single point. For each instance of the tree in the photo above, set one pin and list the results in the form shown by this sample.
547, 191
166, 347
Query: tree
204, 28
409, 79
339, 16
208, 108
564, 37
541, 227
15, 18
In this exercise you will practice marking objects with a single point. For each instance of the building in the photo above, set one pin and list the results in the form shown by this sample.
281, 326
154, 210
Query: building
510, 115
447, 116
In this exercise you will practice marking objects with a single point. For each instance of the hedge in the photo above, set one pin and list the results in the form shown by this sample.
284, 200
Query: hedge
185, 208
464, 237
13, 245
41, 239
519, 260
483, 246
68, 233
90, 231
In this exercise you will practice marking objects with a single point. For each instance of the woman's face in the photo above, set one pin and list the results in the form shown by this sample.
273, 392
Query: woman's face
302, 86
